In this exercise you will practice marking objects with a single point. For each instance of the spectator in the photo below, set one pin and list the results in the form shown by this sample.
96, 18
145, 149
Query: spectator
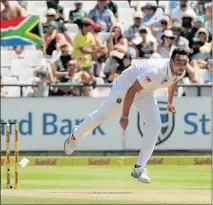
114, 8
187, 24
51, 16
203, 35
99, 42
198, 60
99, 59
132, 34
76, 76
49, 67
196, 44
11, 10
199, 23
102, 15
76, 15
152, 15
117, 41
149, 11
53, 39
146, 48
118, 47
84, 45
133, 30
165, 25
54, 4
42, 88
166, 48
96, 29
122, 64
61, 64
172, 5
23, 4
181, 9
208, 16
180, 41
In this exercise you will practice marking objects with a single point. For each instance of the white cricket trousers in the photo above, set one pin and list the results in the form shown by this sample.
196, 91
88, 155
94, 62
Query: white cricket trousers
146, 105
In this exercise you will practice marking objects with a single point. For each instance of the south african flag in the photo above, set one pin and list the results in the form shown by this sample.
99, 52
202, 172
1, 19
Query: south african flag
21, 31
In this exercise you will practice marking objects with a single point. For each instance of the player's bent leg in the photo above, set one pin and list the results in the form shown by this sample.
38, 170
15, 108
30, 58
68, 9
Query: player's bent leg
150, 114
111, 106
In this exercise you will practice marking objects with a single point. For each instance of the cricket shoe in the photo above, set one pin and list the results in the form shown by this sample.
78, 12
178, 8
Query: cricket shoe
140, 173
70, 143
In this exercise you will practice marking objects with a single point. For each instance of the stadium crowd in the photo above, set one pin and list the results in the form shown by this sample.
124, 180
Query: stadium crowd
92, 42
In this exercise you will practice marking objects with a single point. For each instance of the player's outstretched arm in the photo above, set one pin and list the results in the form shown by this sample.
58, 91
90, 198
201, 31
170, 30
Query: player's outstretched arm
128, 100
171, 91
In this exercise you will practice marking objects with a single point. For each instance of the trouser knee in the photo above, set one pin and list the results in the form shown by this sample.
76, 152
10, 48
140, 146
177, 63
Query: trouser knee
155, 126
98, 116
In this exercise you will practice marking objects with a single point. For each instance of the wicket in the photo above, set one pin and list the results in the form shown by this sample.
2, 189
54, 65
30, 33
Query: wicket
16, 153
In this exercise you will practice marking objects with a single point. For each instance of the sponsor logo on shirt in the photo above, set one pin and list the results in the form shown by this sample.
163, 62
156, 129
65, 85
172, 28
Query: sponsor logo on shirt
119, 100
165, 80
175, 79
148, 79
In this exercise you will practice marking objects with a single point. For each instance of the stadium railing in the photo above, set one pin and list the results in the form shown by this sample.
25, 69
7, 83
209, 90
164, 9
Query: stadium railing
191, 90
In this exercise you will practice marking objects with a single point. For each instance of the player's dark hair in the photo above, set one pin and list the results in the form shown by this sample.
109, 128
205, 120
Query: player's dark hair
178, 51
64, 46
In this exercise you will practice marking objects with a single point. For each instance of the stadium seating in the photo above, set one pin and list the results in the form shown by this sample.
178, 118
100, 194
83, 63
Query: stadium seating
41, 4
126, 16
88, 5
13, 91
18, 65
123, 4
67, 4
6, 57
25, 74
66, 13
30, 47
71, 28
5, 72
34, 57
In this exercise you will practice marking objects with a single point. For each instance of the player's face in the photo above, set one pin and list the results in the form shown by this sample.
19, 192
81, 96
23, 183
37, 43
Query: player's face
5, 3
179, 64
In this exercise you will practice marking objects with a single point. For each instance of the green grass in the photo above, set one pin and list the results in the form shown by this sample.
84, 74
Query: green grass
105, 178
18, 200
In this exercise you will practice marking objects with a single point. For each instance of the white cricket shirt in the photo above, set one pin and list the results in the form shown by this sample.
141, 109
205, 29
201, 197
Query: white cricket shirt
152, 74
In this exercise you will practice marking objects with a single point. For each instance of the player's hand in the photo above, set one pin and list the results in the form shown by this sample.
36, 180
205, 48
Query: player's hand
171, 108
101, 49
124, 122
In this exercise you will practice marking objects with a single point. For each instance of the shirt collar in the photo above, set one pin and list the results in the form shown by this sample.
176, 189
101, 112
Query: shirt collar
169, 71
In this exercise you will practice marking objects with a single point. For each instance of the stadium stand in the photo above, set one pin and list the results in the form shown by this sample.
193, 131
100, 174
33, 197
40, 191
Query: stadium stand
19, 65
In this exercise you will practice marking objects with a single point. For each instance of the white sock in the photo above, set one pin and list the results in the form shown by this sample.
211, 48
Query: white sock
150, 135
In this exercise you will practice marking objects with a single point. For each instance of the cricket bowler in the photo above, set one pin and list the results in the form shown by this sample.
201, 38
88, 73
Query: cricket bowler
136, 85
